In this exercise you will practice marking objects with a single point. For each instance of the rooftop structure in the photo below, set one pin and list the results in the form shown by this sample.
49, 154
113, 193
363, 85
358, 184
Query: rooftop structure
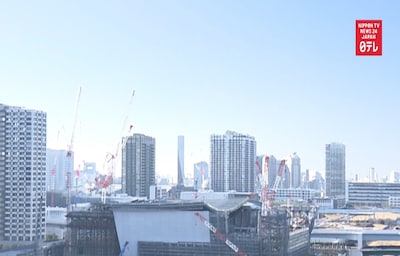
203, 227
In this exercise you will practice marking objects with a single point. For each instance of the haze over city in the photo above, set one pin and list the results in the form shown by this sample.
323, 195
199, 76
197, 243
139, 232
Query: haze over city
284, 73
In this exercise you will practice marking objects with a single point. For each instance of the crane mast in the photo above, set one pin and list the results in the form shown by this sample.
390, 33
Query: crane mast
70, 152
263, 180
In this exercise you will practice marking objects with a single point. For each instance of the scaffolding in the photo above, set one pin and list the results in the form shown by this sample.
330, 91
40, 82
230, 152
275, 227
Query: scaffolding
274, 233
92, 232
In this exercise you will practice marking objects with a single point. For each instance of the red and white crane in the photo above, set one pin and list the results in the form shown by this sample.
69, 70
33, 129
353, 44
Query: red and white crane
268, 194
70, 151
110, 159
263, 180
277, 183
220, 235
53, 173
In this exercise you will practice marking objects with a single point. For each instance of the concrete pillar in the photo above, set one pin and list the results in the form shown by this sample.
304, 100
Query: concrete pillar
360, 241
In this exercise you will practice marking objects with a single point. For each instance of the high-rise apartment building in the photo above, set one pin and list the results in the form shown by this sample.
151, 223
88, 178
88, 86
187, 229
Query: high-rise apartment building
294, 166
200, 175
233, 157
138, 165
181, 161
22, 173
335, 166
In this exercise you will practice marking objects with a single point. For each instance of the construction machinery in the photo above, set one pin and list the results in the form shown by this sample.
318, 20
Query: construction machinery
220, 235
276, 184
53, 174
268, 193
263, 180
102, 182
70, 152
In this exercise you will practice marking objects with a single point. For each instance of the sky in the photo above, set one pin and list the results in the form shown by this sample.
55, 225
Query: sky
284, 72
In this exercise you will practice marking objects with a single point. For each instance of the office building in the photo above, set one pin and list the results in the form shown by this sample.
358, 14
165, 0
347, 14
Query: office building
294, 167
294, 194
138, 165
22, 173
233, 157
335, 166
306, 179
318, 183
394, 177
373, 176
181, 161
200, 174
360, 194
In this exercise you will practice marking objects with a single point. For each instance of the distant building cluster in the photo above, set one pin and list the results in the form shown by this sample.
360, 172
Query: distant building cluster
33, 176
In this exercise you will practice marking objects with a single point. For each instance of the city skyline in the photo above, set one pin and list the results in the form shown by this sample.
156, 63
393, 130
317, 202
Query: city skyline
289, 71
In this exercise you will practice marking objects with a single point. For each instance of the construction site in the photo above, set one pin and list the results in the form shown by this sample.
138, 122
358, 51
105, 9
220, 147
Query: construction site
238, 224
232, 226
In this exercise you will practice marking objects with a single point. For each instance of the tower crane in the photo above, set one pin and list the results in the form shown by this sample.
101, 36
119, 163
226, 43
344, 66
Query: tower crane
220, 235
263, 180
53, 173
276, 184
70, 151
110, 159
268, 194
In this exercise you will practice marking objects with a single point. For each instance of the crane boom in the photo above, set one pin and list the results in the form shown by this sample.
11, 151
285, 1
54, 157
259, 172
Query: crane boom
279, 176
276, 183
220, 236
119, 146
263, 179
70, 151
71, 143
111, 158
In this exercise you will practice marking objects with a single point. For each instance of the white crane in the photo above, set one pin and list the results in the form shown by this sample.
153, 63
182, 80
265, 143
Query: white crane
70, 151
110, 160
267, 198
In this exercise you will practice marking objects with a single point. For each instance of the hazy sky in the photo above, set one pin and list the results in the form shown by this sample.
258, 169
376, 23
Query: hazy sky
284, 72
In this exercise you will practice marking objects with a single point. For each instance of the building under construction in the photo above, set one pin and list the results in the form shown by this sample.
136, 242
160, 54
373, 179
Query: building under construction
231, 226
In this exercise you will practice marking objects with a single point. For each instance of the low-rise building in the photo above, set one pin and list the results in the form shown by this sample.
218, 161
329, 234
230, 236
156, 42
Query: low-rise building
371, 194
